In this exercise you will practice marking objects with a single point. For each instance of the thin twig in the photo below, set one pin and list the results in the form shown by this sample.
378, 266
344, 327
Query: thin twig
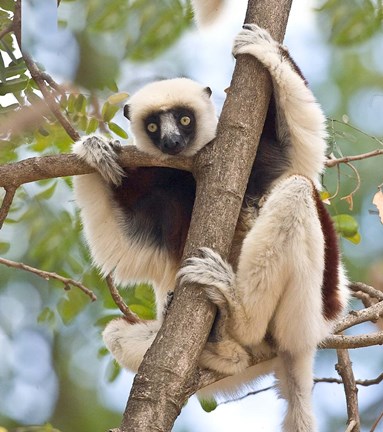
49, 98
6, 30
49, 275
351, 426
351, 342
364, 383
372, 313
358, 130
52, 83
131, 317
6, 204
344, 369
375, 425
372, 292
333, 162
349, 197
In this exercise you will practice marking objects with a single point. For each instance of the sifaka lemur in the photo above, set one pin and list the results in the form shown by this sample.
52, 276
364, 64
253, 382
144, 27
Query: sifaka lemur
289, 287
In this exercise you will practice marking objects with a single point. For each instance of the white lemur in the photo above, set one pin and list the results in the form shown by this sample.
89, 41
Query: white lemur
289, 287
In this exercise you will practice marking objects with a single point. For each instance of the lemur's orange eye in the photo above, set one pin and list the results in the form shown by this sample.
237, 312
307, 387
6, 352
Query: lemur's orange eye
185, 120
152, 127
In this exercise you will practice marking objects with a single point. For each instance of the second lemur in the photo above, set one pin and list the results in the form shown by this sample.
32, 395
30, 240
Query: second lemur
289, 287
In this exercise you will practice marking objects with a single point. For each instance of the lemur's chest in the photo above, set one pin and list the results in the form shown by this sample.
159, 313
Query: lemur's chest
157, 203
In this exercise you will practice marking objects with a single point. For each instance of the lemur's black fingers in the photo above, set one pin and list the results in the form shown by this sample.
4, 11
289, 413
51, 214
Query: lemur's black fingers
116, 145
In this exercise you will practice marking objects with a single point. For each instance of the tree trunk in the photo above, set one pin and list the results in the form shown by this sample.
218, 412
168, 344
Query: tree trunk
169, 374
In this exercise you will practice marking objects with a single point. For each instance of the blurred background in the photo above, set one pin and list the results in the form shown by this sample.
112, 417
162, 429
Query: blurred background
53, 367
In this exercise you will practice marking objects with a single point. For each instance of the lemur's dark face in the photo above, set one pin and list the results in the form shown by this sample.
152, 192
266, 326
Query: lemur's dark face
171, 131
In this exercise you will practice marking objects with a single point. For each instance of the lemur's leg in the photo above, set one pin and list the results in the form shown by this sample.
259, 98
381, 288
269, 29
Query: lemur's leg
277, 290
300, 120
279, 275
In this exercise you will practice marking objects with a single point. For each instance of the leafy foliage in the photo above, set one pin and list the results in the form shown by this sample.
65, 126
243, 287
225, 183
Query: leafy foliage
353, 21
43, 228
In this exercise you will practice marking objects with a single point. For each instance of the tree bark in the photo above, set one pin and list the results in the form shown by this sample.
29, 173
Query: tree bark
169, 374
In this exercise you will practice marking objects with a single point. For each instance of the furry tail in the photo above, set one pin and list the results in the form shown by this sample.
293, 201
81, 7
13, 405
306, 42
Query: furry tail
205, 11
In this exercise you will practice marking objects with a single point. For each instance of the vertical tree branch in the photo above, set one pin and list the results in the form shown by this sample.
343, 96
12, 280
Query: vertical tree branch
344, 369
168, 375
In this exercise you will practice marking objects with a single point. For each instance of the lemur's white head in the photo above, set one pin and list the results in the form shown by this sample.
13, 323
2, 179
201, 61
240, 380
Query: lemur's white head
171, 117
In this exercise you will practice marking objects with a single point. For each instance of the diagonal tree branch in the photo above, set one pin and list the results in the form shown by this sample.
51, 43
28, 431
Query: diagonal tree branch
169, 374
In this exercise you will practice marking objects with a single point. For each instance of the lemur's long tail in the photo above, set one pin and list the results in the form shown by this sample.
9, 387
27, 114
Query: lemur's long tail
205, 11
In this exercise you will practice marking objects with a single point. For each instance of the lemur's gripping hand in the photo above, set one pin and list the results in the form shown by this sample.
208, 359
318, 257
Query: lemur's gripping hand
101, 155
213, 272
257, 42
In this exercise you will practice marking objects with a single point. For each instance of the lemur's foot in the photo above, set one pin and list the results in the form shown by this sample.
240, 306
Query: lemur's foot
255, 41
213, 272
128, 342
101, 155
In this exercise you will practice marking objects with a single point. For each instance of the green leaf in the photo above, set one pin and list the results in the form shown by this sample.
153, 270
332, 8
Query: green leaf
117, 130
112, 371
82, 123
2, 69
47, 193
103, 321
354, 239
109, 111
208, 405
92, 126
47, 316
72, 305
346, 225
102, 352
63, 101
142, 311
8, 109
71, 103
13, 85
4, 247
80, 104
117, 98
8, 5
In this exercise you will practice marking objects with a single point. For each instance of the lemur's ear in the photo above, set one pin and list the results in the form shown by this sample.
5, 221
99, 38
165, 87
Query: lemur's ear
208, 91
126, 111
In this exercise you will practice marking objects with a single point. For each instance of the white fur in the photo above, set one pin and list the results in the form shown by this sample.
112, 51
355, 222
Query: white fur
299, 114
112, 250
277, 288
128, 342
162, 95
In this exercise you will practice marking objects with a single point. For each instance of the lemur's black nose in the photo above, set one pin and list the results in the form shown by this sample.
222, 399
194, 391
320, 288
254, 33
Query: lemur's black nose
172, 144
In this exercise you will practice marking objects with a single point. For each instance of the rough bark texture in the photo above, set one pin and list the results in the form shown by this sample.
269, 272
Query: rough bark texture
44, 167
169, 373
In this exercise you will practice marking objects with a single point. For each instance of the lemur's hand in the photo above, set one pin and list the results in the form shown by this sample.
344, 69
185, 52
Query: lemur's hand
101, 155
255, 41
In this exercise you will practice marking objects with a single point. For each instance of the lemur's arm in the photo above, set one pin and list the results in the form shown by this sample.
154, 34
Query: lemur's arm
93, 197
300, 121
